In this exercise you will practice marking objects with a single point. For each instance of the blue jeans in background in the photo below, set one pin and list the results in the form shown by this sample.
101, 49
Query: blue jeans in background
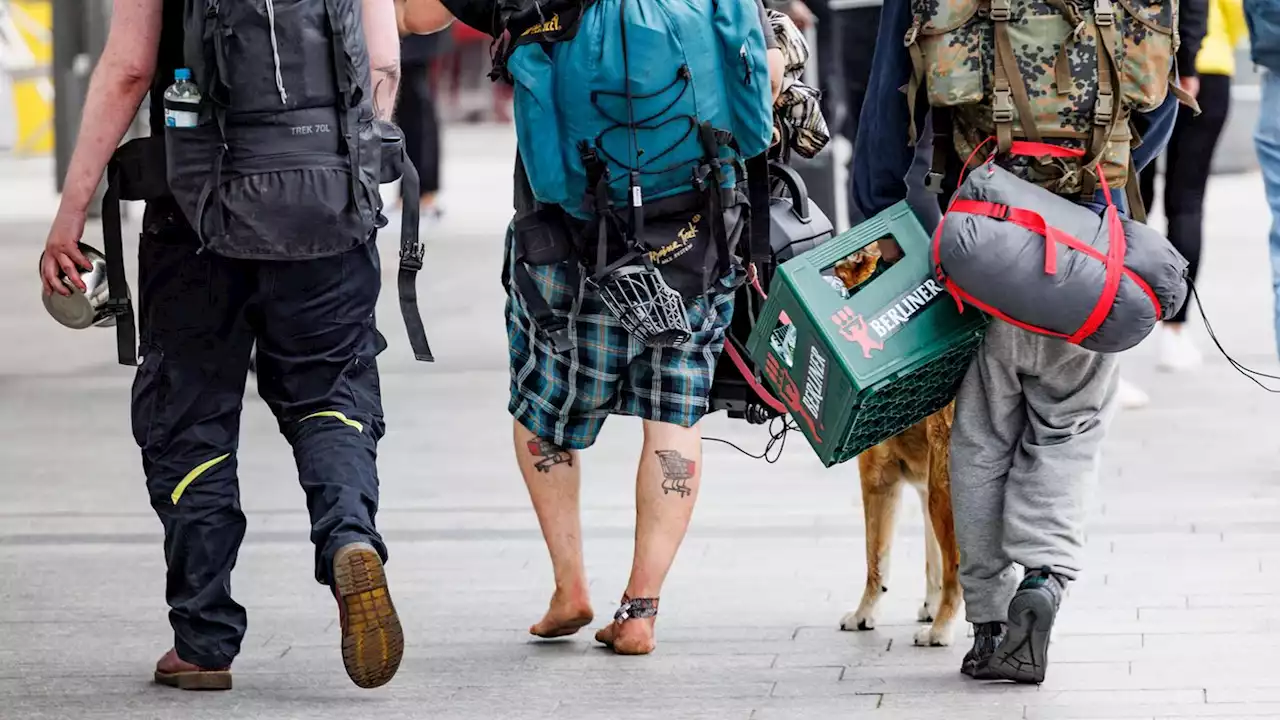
1267, 139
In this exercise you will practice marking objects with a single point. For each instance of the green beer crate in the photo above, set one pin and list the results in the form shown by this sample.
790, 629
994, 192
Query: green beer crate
855, 370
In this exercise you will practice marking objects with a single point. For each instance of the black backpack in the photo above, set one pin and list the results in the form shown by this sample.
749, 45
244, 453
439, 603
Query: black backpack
287, 157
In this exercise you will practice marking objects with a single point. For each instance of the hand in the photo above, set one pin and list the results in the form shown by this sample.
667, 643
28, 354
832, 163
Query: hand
424, 17
777, 68
1190, 85
800, 14
62, 253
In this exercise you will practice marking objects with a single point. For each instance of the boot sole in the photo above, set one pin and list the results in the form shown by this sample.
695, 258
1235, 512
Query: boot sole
1023, 655
199, 680
372, 639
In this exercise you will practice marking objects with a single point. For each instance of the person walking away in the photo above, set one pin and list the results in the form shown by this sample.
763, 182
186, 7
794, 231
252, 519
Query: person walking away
1192, 24
1263, 19
1033, 410
1189, 157
575, 360
292, 267
417, 116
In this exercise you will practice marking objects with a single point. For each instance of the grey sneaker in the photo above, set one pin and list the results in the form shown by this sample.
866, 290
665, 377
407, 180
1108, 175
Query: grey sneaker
1023, 655
986, 637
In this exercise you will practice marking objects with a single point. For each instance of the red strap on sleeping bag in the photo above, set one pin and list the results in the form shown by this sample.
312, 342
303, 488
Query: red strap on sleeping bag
1033, 221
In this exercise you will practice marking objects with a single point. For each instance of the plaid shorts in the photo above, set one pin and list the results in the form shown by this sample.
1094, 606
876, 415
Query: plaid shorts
565, 397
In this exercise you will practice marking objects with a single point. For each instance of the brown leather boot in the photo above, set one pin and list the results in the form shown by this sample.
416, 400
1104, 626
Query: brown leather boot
372, 639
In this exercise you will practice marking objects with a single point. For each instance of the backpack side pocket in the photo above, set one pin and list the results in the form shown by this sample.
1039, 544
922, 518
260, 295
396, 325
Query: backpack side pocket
537, 121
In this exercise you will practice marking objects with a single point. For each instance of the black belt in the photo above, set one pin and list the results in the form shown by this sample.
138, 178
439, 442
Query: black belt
411, 254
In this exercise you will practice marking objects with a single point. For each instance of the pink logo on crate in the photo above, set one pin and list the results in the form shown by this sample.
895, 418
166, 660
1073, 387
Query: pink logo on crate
790, 396
854, 329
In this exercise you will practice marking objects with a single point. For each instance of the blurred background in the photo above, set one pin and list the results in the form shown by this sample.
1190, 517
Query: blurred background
1177, 615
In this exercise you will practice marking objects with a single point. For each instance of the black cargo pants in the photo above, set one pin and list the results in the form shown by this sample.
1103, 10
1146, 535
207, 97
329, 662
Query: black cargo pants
199, 316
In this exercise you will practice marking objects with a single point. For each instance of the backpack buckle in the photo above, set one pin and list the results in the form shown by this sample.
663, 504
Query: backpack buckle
1002, 105
1002, 10
1104, 110
1104, 12
560, 340
411, 257
933, 182
913, 33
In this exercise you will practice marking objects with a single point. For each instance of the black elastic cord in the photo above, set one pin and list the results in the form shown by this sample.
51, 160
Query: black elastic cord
777, 438
643, 167
1247, 372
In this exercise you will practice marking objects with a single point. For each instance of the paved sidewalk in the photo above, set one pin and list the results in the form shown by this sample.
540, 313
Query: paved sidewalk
1178, 614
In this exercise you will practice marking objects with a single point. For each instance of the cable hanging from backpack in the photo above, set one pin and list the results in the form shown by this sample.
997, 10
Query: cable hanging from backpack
1240, 368
777, 438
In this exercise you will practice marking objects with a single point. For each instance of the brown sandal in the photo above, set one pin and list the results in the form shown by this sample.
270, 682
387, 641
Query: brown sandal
173, 671
195, 679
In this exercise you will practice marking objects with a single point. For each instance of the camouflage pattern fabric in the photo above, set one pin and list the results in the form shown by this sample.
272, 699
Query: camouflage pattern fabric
797, 106
1069, 72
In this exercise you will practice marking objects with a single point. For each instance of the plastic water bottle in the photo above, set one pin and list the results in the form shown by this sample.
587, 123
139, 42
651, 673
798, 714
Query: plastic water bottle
182, 92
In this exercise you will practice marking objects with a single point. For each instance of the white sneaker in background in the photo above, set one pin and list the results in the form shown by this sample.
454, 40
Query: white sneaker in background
1177, 351
1130, 396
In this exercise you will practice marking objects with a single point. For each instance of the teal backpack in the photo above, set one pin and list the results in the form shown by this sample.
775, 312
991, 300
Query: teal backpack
636, 123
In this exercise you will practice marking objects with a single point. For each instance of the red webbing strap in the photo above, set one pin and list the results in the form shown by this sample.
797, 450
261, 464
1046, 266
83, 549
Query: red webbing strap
1035, 149
963, 297
1115, 269
750, 377
951, 287
1033, 221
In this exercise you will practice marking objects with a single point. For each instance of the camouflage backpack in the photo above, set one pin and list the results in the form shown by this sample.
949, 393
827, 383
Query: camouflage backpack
1066, 72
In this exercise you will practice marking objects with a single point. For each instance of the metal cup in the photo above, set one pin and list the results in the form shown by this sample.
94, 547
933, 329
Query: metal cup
83, 308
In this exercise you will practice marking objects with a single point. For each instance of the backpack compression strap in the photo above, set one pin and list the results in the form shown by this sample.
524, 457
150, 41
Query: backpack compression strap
758, 249
411, 254
136, 172
117, 298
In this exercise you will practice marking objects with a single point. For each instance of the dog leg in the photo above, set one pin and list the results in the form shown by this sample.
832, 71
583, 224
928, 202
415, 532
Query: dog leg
932, 563
942, 632
880, 495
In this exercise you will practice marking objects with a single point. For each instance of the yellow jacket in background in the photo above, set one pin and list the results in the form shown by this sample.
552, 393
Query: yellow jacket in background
1226, 28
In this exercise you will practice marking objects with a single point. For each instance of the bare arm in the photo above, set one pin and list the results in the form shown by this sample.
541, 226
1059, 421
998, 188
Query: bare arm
423, 17
382, 36
120, 81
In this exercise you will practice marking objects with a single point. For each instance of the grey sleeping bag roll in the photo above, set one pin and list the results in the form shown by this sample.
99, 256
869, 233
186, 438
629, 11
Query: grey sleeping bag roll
1001, 264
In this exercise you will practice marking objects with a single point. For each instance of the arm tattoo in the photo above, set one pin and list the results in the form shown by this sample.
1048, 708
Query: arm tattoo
550, 453
677, 470
385, 89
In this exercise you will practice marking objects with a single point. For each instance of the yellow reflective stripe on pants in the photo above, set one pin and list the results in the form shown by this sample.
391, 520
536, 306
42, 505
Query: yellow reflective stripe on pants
335, 414
196, 472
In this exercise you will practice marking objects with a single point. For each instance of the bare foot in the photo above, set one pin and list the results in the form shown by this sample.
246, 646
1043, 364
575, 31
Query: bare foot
568, 613
630, 637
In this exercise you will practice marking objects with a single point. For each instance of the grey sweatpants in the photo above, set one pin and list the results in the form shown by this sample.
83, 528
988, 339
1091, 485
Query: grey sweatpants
1025, 445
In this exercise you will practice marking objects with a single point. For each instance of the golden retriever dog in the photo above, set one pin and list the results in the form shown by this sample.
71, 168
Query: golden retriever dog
918, 457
